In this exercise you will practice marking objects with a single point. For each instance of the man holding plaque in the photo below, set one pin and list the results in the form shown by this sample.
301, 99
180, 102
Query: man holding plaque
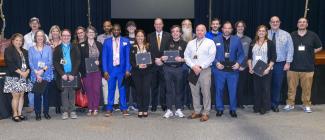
116, 66
230, 55
199, 55
173, 68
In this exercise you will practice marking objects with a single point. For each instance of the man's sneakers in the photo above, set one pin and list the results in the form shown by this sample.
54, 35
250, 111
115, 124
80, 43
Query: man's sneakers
307, 109
168, 114
288, 107
178, 113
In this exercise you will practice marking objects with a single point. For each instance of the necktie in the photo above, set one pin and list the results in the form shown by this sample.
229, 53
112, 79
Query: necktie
273, 39
158, 41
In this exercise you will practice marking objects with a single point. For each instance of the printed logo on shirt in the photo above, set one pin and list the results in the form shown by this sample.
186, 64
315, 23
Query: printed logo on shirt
82, 45
125, 43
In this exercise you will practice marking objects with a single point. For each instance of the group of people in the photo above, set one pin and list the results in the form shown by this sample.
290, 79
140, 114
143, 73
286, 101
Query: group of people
224, 57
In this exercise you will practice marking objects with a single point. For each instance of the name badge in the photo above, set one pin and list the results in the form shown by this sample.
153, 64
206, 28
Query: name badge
195, 57
258, 57
41, 64
23, 67
62, 61
218, 44
131, 42
301, 48
227, 55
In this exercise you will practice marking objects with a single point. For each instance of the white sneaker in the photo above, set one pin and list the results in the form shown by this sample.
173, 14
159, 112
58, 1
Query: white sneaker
168, 114
179, 113
307, 109
288, 107
65, 116
73, 115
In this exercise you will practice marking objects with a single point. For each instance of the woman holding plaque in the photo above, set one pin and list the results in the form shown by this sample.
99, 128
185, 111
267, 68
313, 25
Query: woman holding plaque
40, 63
261, 52
16, 59
66, 60
90, 51
141, 73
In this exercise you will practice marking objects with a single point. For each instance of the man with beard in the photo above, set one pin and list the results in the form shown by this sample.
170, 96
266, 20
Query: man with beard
226, 66
187, 30
107, 27
215, 25
116, 66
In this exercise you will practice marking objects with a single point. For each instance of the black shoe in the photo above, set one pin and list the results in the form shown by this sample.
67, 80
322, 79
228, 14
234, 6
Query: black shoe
16, 118
58, 110
275, 109
262, 111
241, 106
22, 117
233, 114
47, 116
164, 108
153, 108
38, 117
219, 113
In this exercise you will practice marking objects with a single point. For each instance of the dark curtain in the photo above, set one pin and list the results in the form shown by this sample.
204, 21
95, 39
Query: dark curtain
65, 13
201, 11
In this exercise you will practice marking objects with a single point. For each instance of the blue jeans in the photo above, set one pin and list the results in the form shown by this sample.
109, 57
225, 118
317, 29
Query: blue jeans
276, 86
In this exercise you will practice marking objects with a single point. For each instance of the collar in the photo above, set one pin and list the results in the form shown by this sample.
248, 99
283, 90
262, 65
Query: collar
159, 33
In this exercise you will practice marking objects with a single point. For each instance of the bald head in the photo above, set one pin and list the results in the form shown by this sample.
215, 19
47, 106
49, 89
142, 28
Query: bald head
200, 31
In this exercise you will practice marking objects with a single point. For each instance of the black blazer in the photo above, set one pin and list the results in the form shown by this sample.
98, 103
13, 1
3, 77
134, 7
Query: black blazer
136, 68
75, 60
271, 51
165, 41
13, 60
84, 53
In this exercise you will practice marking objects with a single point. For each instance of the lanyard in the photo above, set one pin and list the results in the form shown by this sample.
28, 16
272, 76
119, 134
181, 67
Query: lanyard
197, 47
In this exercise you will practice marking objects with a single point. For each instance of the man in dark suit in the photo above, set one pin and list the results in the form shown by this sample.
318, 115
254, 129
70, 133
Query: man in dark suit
159, 41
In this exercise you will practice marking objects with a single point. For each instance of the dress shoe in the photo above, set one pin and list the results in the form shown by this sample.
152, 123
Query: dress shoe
153, 108
47, 116
194, 116
22, 117
164, 108
16, 119
38, 117
125, 113
145, 114
275, 109
219, 113
262, 111
108, 114
241, 106
58, 110
204, 118
233, 114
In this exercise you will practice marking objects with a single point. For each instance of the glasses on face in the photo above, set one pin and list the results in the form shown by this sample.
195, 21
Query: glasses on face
66, 36
91, 32
80, 33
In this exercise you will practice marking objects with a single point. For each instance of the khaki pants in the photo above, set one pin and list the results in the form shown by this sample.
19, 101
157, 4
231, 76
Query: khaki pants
203, 84
306, 82
105, 92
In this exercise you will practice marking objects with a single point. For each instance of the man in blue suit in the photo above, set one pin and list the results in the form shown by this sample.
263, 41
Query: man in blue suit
229, 56
116, 66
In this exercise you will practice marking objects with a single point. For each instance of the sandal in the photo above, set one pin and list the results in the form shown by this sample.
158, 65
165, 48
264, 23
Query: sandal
16, 118
22, 117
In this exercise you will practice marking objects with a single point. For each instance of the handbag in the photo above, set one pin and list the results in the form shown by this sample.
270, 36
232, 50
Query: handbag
81, 97
39, 87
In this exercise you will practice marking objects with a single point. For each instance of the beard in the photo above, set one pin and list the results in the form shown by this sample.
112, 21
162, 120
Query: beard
187, 34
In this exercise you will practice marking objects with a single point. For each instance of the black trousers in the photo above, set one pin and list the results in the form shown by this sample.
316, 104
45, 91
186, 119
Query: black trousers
244, 90
142, 80
158, 87
130, 91
174, 81
262, 92
187, 96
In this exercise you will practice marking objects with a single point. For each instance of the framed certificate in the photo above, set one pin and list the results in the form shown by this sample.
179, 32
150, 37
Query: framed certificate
68, 83
172, 54
91, 65
143, 58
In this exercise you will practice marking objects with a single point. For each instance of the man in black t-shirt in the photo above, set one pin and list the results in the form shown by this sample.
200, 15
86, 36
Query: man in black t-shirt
306, 44
173, 72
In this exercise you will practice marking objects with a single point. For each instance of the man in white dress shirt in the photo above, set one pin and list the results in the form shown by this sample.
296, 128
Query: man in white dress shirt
199, 55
